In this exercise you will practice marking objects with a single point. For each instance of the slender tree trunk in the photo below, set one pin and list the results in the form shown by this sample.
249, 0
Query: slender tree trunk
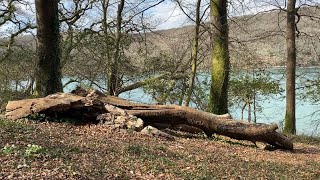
183, 92
114, 77
29, 90
242, 110
194, 55
105, 6
254, 108
48, 76
249, 111
218, 99
290, 118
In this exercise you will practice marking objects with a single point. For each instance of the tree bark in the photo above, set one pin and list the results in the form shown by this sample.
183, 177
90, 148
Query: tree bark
290, 117
48, 79
218, 99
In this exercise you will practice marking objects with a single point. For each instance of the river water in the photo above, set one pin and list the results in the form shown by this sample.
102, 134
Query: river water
272, 109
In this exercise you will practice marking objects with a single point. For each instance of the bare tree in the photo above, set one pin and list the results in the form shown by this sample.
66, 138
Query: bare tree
290, 117
15, 22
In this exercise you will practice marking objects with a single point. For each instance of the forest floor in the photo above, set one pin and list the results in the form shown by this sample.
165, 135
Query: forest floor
30, 150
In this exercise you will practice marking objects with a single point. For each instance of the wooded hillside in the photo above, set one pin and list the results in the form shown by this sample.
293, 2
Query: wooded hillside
249, 34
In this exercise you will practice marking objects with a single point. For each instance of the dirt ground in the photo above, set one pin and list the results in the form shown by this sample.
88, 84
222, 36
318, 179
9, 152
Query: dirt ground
65, 151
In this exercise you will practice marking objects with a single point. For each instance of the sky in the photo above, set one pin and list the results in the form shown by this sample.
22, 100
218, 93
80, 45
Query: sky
169, 15
172, 16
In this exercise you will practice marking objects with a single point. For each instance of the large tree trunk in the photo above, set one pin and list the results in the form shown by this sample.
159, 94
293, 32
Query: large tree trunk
218, 100
290, 118
87, 107
48, 79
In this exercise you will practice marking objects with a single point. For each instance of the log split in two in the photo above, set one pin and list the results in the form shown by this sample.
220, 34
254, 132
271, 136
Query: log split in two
87, 106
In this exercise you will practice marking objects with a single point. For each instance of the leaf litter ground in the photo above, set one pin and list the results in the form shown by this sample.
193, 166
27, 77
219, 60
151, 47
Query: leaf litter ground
99, 152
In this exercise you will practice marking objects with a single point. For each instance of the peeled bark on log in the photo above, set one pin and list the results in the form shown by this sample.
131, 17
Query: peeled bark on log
87, 106
59, 105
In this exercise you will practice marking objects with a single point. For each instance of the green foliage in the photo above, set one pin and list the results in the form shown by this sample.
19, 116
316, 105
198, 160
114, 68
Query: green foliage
33, 150
30, 151
201, 91
164, 90
249, 87
246, 85
12, 127
17, 75
135, 149
311, 90
8, 149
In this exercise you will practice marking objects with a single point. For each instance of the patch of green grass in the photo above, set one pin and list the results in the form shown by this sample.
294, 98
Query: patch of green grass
150, 153
161, 148
25, 154
62, 152
158, 158
136, 149
13, 131
33, 150
140, 151
8, 149
15, 126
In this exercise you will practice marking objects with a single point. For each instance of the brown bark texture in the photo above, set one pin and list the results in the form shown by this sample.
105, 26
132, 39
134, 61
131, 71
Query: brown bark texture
218, 98
290, 117
86, 107
48, 72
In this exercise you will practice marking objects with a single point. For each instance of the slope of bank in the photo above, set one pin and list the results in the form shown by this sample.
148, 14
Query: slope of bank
59, 151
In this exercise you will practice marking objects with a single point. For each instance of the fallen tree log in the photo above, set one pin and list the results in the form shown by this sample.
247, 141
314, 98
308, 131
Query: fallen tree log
82, 105
174, 115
